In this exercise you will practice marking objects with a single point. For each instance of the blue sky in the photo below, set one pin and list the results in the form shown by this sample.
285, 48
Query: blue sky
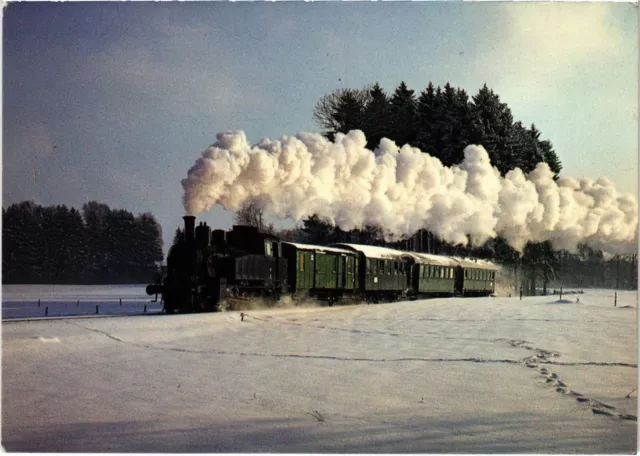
115, 101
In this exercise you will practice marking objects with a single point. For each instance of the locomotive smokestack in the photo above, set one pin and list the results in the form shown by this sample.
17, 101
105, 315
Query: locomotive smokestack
189, 227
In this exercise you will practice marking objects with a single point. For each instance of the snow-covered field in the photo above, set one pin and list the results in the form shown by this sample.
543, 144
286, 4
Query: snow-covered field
21, 301
487, 375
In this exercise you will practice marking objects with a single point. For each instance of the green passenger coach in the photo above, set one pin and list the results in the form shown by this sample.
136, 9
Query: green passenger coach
384, 272
432, 275
475, 277
326, 273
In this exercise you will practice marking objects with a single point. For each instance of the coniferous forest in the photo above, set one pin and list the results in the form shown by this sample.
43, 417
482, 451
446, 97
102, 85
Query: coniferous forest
94, 245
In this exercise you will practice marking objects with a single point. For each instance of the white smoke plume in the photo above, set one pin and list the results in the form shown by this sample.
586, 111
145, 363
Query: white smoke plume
403, 190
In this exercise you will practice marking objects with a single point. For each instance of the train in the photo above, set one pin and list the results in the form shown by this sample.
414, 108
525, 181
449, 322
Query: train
211, 267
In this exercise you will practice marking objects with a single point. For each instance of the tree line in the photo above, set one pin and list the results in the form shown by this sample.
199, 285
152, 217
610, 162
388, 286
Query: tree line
439, 121
94, 245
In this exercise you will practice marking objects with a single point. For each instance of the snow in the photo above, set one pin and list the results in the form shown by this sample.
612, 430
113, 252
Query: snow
473, 375
426, 258
21, 301
372, 251
321, 248
476, 263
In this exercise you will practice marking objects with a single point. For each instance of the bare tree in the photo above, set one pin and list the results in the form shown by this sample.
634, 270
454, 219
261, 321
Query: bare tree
252, 215
341, 110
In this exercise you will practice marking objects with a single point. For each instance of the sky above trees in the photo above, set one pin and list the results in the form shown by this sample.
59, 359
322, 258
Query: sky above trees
114, 101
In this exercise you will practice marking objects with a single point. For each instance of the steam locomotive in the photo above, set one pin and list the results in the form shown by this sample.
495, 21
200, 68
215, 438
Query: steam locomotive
210, 268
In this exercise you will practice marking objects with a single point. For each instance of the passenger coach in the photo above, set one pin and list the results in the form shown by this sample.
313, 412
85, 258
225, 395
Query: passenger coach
383, 272
327, 273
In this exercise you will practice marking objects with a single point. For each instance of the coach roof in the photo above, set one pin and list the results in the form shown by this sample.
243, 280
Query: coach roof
476, 263
317, 248
375, 252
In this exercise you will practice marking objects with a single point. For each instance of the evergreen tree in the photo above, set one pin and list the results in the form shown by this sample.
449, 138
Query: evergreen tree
549, 156
178, 237
376, 119
494, 128
150, 235
426, 114
98, 240
403, 111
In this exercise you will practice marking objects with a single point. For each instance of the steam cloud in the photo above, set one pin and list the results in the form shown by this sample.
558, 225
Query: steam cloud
403, 190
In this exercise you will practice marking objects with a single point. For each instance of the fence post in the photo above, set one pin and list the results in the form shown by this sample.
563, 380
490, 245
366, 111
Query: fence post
97, 311
145, 308
615, 299
38, 302
521, 292
46, 311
